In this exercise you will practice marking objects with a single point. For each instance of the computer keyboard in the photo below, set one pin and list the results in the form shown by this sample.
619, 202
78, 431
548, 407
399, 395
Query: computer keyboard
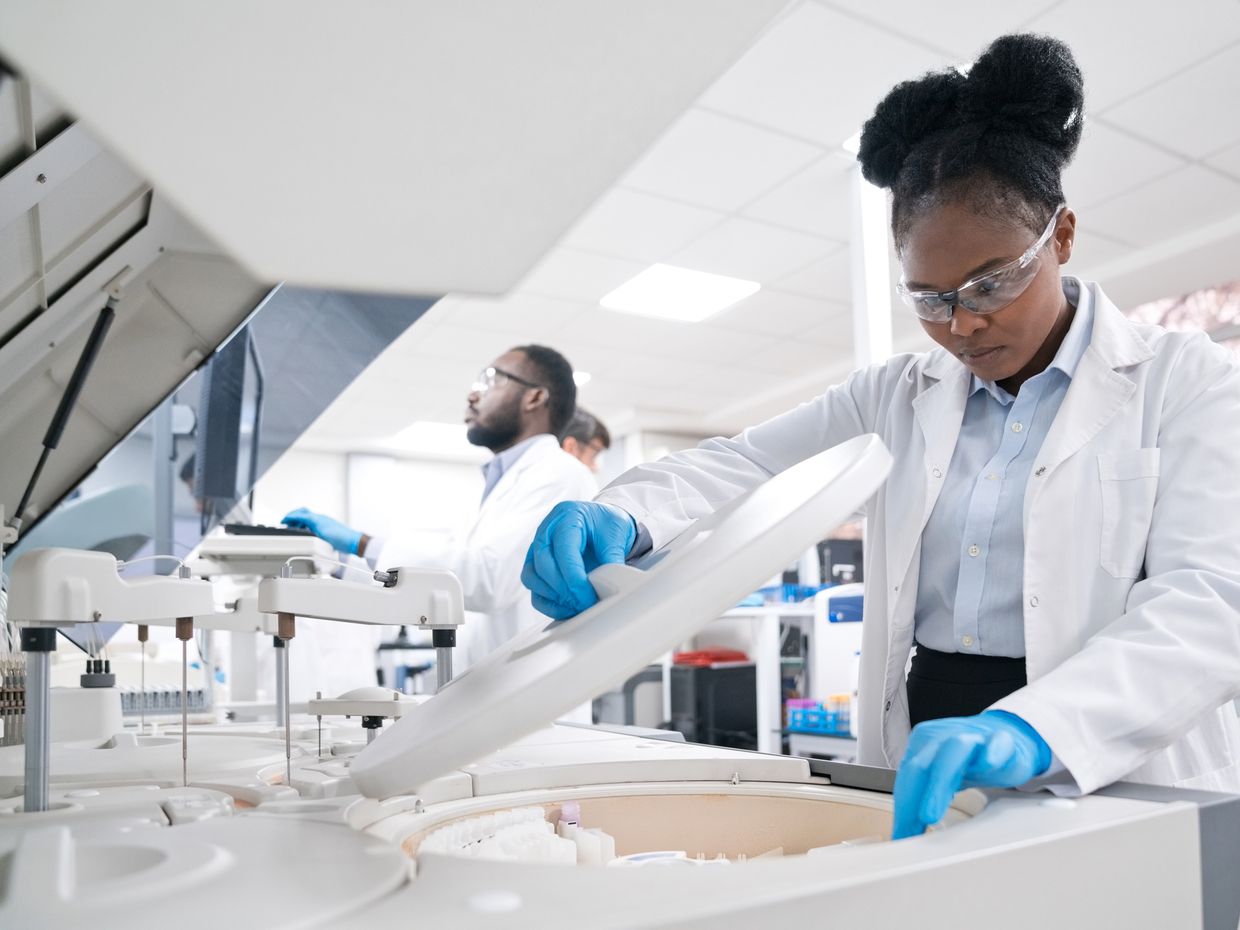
245, 529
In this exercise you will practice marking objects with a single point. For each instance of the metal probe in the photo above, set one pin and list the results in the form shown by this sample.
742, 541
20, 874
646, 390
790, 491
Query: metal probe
143, 634
286, 629
185, 632
318, 696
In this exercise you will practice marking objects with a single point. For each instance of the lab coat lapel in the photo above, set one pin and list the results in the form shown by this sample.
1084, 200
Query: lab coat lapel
939, 411
1097, 393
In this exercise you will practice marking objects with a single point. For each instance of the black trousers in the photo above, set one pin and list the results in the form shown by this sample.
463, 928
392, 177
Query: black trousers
954, 684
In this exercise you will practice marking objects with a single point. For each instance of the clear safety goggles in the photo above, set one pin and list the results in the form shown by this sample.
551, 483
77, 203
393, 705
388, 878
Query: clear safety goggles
491, 376
986, 293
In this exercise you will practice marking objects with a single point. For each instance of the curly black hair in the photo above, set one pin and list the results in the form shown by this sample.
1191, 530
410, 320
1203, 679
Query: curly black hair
996, 139
555, 373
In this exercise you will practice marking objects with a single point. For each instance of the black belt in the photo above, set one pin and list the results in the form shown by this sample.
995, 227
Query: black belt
956, 684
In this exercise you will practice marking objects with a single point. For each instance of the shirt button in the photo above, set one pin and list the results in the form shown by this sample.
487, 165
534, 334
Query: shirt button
1017, 426
887, 706
1033, 601
1040, 472
967, 640
937, 473
974, 551
992, 477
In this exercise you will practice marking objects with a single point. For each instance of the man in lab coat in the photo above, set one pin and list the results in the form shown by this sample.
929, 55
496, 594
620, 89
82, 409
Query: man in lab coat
517, 408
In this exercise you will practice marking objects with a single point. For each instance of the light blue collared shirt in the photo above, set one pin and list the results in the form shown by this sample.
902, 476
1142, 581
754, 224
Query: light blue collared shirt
969, 593
493, 470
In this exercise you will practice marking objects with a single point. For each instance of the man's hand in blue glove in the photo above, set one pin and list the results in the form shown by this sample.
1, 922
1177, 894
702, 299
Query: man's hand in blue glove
341, 537
573, 540
993, 749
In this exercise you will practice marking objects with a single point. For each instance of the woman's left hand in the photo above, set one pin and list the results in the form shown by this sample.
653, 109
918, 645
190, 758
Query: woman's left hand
992, 749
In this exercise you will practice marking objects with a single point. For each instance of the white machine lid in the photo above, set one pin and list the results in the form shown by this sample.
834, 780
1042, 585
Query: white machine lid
397, 147
539, 676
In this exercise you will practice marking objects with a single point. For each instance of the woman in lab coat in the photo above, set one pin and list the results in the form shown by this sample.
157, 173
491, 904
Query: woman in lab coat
1058, 543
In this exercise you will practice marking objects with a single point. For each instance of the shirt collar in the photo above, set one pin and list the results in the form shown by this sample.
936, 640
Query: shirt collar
1071, 350
493, 470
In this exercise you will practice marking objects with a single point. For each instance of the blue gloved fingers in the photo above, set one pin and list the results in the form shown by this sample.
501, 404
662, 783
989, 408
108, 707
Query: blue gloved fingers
301, 517
531, 579
612, 543
552, 608
910, 785
951, 762
1001, 762
568, 545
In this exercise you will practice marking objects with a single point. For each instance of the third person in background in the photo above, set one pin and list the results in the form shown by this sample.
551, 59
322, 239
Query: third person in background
585, 439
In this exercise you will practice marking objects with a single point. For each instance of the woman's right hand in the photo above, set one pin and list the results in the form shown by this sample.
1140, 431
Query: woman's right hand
573, 540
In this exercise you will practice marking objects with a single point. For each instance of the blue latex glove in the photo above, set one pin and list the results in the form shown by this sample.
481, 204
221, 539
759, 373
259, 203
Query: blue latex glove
573, 540
992, 749
341, 537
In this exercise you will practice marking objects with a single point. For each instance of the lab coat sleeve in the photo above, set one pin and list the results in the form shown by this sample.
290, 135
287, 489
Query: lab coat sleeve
666, 496
1173, 657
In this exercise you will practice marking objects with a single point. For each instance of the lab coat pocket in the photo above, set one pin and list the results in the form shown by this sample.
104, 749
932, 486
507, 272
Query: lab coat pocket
1129, 488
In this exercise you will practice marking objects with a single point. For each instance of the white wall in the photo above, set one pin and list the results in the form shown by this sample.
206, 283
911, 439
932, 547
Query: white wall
302, 479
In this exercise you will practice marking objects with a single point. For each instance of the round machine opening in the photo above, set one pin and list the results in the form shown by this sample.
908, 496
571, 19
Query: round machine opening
661, 826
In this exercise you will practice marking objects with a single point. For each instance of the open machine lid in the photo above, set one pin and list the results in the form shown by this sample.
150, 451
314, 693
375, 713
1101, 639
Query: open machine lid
542, 674
413, 148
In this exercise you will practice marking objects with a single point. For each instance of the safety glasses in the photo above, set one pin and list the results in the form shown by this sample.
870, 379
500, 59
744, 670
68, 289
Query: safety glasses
986, 293
489, 377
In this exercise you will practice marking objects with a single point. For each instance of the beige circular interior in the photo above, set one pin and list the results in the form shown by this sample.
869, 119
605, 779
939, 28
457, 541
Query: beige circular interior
732, 822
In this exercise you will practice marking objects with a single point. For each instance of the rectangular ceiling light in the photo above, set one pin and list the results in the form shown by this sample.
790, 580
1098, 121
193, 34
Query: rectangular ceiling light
671, 293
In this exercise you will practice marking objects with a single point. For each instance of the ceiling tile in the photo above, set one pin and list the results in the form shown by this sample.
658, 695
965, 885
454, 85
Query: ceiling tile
717, 162
570, 274
752, 250
963, 29
605, 340
778, 313
790, 358
1173, 204
531, 317
1153, 40
641, 227
1227, 160
478, 347
1110, 162
828, 277
1092, 250
818, 74
1193, 112
818, 200
836, 332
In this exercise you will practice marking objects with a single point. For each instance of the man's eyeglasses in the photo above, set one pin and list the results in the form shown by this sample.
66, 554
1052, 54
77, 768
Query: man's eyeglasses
489, 377
986, 293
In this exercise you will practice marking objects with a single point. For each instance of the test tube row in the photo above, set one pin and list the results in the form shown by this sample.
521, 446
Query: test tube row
161, 701
12, 700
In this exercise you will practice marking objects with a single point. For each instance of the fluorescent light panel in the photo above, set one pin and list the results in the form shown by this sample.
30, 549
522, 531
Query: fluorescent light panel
581, 378
671, 293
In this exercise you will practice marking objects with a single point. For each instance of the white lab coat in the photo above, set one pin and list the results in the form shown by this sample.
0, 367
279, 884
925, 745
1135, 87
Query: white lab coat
489, 556
1132, 546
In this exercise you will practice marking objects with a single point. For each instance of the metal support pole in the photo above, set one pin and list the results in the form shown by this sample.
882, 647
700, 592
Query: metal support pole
286, 629
281, 680
144, 633
38, 643
185, 632
444, 641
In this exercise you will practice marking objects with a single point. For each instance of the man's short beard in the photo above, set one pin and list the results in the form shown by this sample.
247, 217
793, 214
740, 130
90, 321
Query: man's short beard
496, 435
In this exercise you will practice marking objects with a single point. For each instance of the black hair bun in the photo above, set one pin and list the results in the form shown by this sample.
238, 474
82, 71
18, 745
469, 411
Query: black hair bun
1029, 85
910, 112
